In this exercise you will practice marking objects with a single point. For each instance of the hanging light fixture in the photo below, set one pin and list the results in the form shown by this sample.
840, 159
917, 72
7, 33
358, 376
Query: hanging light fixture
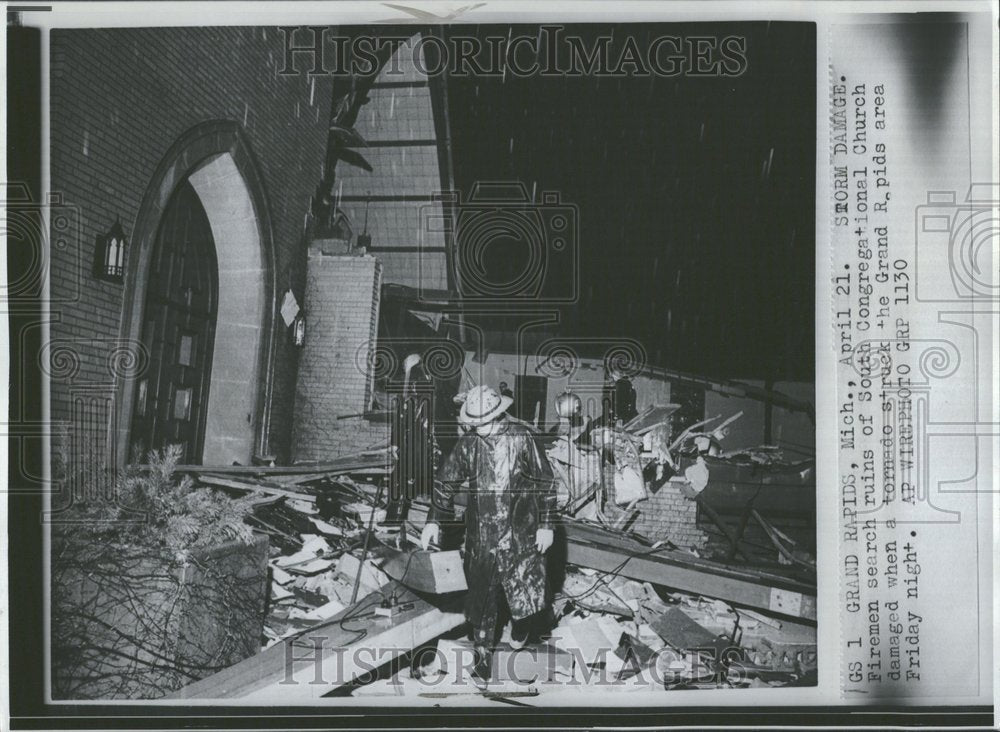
109, 254
299, 330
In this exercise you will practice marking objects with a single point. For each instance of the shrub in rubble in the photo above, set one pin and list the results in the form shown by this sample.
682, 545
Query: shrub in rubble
153, 505
155, 584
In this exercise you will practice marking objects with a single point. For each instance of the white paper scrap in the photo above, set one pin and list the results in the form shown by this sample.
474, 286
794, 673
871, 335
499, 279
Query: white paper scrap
289, 308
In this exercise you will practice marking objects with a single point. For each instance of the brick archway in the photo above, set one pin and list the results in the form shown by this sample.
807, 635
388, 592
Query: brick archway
217, 159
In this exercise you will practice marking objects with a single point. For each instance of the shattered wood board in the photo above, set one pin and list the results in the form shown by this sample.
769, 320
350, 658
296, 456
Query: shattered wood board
254, 486
653, 416
348, 464
769, 591
329, 656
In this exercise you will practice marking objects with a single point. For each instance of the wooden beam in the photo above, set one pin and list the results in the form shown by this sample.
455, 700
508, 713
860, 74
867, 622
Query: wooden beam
732, 536
658, 570
352, 643
349, 464
402, 143
389, 198
257, 487
756, 588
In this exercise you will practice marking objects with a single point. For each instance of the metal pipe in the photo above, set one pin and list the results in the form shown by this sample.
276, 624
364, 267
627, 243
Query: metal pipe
368, 538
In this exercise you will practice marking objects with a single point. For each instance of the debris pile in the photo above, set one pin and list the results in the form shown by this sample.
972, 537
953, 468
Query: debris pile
628, 612
638, 478
617, 634
317, 521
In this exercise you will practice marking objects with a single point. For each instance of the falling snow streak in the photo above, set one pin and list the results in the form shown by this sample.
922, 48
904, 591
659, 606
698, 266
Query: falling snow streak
687, 191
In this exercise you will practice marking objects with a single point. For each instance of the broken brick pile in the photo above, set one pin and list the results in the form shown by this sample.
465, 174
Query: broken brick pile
669, 514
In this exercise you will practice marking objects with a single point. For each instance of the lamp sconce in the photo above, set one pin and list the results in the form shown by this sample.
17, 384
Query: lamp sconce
299, 330
109, 254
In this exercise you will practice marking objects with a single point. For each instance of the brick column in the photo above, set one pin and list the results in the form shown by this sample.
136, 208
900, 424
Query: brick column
341, 308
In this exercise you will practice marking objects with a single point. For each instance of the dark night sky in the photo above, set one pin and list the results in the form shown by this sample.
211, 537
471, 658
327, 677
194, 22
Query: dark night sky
688, 242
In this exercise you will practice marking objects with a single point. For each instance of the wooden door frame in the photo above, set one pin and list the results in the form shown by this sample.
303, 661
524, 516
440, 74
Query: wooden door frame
158, 297
186, 155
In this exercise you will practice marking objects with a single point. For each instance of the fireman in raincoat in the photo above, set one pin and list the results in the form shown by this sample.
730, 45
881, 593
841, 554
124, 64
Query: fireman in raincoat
509, 518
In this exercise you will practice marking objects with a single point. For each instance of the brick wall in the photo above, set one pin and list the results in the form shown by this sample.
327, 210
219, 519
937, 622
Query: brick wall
341, 308
119, 99
344, 437
669, 515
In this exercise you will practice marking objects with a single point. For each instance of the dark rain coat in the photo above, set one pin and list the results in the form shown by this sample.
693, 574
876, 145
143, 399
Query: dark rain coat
511, 496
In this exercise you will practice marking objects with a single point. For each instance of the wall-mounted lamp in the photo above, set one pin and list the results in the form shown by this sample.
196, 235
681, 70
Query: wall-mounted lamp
299, 330
109, 254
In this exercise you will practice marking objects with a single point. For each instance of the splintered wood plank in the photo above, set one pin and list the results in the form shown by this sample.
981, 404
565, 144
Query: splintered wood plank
254, 486
352, 643
348, 464
593, 548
